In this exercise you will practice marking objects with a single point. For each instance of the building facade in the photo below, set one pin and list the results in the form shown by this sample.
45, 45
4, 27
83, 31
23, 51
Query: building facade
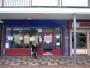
49, 23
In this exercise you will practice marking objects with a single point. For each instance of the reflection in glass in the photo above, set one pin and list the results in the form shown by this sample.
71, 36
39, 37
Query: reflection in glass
57, 38
80, 40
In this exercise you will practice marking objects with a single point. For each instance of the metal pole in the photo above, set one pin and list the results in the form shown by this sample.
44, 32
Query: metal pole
74, 26
1, 38
2, 3
64, 41
1, 22
30, 3
61, 3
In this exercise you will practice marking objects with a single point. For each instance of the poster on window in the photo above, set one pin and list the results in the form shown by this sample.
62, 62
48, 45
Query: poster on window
10, 38
26, 39
6, 45
32, 38
48, 38
17, 39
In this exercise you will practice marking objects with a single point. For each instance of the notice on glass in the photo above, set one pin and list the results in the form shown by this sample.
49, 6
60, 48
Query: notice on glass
10, 38
48, 38
26, 39
32, 38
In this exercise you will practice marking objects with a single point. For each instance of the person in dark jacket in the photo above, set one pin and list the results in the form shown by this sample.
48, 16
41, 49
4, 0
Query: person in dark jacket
34, 50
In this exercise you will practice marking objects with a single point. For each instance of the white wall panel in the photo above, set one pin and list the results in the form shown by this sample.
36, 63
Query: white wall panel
80, 3
44, 2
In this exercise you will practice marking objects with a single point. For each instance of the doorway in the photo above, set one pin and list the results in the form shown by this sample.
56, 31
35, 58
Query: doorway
48, 42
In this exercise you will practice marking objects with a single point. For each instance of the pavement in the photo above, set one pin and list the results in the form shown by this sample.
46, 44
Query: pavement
44, 61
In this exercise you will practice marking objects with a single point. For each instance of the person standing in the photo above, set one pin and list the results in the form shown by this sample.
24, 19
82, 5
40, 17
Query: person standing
34, 50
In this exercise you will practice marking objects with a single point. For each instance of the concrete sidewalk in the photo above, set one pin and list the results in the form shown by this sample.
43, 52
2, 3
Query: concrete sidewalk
43, 61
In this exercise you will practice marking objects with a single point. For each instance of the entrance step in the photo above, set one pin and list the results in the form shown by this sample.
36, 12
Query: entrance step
47, 53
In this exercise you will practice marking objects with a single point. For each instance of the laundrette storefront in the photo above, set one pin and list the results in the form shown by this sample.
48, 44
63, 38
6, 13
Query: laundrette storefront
50, 36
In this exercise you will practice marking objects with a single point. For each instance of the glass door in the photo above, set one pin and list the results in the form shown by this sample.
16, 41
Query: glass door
48, 43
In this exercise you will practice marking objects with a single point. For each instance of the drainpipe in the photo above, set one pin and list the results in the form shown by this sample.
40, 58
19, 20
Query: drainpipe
74, 26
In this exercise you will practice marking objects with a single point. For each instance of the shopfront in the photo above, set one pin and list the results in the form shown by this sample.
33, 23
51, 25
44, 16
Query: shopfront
48, 34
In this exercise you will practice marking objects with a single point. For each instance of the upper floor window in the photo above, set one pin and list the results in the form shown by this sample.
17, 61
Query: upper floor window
0, 2
81, 3
71, 3
16, 2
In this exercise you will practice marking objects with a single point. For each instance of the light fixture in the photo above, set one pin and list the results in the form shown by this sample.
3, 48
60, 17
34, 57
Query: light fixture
1, 21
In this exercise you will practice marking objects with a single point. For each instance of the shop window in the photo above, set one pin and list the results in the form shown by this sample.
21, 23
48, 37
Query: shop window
26, 40
9, 39
17, 2
18, 39
57, 39
80, 40
40, 40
